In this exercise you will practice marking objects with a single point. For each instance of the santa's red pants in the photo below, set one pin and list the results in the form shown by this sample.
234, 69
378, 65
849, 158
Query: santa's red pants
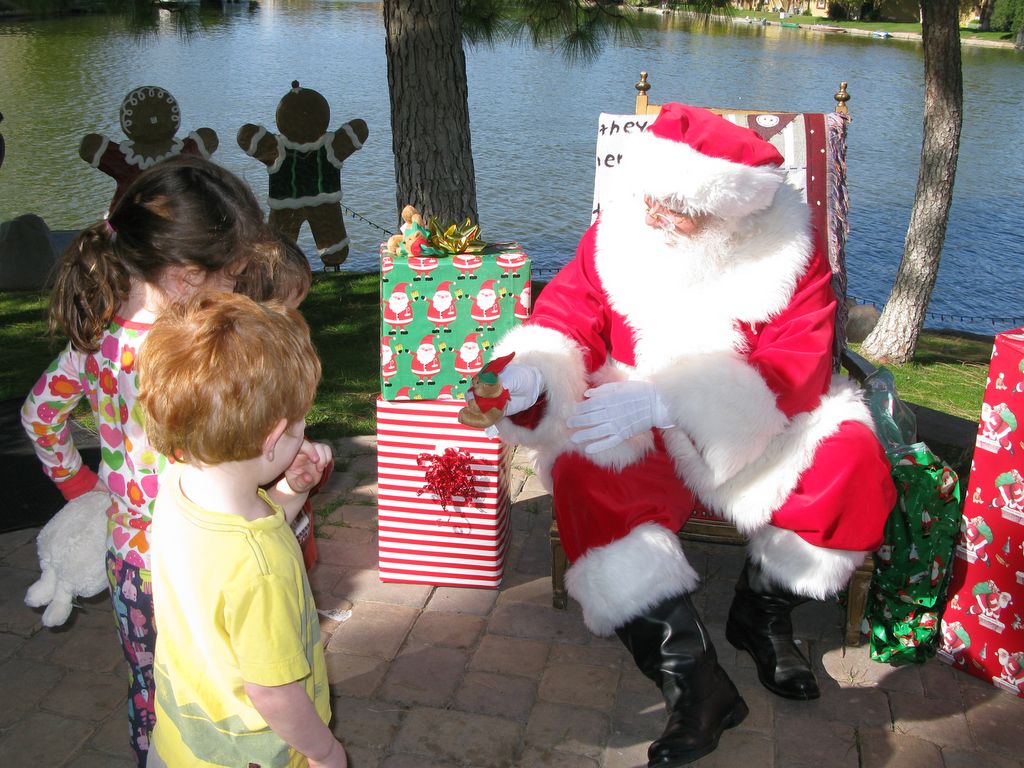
840, 502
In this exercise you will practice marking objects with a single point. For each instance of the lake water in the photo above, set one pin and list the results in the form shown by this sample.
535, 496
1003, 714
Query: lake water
534, 120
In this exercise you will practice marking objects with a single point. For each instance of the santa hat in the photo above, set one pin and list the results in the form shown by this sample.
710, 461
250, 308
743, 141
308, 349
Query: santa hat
470, 339
702, 163
428, 339
445, 286
488, 285
400, 288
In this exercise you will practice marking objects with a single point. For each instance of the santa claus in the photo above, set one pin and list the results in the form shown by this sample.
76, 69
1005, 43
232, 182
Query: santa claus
470, 360
388, 366
638, 407
467, 264
997, 422
522, 308
486, 308
398, 310
441, 311
426, 363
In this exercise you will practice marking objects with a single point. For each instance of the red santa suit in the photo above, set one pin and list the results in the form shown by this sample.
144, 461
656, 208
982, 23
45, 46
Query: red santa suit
441, 311
522, 308
470, 360
398, 309
486, 307
388, 366
511, 262
736, 334
425, 362
467, 264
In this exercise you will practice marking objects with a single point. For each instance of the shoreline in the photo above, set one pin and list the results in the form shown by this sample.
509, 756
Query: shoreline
830, 29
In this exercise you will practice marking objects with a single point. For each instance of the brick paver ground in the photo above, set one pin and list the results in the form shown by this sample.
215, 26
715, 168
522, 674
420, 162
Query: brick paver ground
440, 677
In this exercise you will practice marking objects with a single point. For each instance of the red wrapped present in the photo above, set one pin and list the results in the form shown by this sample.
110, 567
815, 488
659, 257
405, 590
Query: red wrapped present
982, 630
443, 496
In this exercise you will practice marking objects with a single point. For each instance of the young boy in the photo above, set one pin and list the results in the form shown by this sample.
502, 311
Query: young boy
240, 677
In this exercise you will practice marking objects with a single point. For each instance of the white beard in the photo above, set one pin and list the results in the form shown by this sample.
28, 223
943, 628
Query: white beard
398, 305
425, 358
742, 270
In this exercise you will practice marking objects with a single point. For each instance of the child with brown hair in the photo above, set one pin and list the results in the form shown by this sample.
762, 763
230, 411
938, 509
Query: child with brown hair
282, 274
225, 384
184, 225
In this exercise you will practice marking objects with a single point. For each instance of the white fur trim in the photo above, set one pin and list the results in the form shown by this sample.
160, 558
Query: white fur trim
702, 184
560, 362
666, 289
749, 497
800, 567
618, 582
725, 408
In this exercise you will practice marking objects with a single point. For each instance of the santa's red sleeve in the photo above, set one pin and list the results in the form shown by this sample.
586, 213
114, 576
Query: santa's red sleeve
732, 404
793, 352
566, 338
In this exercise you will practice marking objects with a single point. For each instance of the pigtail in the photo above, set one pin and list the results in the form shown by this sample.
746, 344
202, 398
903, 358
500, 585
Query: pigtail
90, 285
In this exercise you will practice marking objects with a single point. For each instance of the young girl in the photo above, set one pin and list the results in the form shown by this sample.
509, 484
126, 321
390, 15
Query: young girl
184, 225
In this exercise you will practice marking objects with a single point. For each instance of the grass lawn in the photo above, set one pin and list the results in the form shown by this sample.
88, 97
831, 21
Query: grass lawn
948, 373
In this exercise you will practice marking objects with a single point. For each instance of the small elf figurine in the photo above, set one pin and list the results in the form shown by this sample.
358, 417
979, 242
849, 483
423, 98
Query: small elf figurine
150, 118
489, 397
304, 162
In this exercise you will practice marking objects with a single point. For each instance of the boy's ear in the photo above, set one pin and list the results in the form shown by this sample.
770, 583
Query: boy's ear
271, 440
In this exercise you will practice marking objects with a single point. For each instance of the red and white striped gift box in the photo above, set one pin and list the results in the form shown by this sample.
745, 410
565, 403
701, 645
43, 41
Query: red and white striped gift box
419, 540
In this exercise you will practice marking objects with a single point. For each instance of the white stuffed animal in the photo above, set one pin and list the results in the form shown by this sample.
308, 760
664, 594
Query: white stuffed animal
72, 552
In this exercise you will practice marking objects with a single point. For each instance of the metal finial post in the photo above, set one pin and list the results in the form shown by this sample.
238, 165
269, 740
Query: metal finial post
641, 97
841, 98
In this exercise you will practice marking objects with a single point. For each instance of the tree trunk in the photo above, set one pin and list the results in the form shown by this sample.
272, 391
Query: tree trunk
894, 339
1019, 43
429, 109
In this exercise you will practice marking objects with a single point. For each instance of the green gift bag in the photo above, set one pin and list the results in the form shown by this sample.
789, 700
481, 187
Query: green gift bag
913, 565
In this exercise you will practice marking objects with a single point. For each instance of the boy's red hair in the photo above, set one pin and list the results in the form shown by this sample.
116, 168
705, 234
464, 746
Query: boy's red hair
218, 372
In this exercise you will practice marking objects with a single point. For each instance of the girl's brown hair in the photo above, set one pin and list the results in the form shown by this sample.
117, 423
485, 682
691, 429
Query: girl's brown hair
185, 211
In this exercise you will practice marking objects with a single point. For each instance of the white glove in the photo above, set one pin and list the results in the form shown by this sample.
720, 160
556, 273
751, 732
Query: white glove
615, 412
524, 384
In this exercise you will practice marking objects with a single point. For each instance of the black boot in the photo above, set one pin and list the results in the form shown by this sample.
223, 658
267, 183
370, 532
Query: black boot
759, 623
671, 646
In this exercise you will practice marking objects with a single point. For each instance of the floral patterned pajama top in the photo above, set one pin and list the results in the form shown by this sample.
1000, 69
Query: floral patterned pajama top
129, 466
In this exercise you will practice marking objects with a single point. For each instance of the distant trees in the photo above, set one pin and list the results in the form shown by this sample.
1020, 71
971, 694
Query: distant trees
1008, 16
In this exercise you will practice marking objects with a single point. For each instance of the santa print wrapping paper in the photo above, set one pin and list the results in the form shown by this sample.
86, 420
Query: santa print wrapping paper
420, 540
441, 316
982, 630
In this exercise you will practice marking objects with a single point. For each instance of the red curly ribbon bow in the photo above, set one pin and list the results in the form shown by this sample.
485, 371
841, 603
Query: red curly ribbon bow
449, 475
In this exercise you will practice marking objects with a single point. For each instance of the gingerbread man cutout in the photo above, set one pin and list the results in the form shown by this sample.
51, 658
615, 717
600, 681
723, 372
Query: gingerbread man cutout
150, 118
304, 162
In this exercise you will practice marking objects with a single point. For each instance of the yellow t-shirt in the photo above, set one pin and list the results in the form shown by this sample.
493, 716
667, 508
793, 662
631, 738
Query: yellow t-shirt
232, 604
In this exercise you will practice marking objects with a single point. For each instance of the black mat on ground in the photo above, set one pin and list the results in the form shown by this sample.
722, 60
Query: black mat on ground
31, 498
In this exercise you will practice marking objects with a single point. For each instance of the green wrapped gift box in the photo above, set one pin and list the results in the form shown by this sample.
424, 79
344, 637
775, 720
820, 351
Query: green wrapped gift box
442, 314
